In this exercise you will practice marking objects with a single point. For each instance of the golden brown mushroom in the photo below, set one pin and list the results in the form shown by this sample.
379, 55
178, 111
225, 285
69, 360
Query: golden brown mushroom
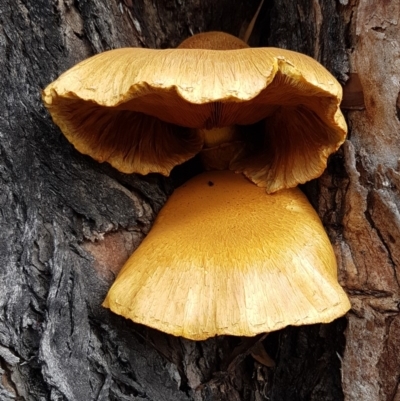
145, 110
223, 256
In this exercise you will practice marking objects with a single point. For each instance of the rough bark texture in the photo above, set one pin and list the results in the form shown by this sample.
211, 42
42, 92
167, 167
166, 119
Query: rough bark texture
68, 223
371, 222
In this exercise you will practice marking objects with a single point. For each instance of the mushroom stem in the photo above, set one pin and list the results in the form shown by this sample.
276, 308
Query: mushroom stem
217, 136
221, 147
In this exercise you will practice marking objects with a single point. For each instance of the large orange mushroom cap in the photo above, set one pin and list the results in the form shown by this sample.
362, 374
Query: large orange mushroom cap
225, 257
142, 110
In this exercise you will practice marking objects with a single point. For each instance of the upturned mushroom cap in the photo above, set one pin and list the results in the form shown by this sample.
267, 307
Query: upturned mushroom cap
137, 108
224, 257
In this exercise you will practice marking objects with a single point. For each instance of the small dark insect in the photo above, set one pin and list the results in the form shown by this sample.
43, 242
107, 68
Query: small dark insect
210, 183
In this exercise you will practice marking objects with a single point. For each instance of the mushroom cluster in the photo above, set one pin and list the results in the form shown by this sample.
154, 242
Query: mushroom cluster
224, 256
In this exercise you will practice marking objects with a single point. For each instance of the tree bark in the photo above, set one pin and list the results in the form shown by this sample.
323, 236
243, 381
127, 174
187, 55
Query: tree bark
68, 223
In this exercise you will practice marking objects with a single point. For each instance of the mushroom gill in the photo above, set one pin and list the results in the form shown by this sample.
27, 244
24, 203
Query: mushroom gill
143, 110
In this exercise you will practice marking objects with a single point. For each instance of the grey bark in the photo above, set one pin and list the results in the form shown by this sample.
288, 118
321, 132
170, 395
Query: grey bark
68, 223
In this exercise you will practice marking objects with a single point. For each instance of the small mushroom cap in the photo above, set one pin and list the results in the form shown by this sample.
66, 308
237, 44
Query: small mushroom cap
213, 40
136, 108
224, 257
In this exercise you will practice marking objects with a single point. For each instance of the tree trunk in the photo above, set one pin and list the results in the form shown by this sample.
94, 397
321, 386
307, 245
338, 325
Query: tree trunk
69, 223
